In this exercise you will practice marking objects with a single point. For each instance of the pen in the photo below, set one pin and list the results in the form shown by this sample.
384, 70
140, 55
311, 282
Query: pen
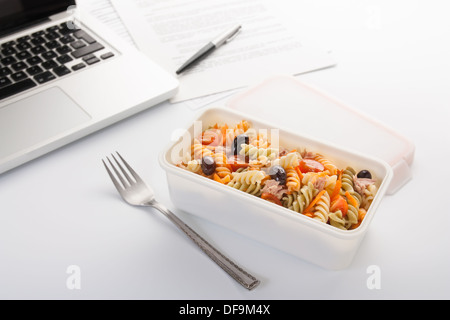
210, 47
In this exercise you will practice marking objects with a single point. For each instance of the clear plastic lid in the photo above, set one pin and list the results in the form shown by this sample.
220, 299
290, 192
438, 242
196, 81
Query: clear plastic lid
327, 118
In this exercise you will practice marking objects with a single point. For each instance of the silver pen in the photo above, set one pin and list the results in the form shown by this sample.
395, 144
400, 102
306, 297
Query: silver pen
210, 47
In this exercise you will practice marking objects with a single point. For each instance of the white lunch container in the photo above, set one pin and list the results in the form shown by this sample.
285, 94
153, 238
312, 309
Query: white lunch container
261, 220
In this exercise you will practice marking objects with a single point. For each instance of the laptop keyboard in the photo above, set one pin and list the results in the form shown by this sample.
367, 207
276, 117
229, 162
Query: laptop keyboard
46, 55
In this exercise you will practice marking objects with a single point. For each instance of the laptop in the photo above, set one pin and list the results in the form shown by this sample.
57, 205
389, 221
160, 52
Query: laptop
62, 78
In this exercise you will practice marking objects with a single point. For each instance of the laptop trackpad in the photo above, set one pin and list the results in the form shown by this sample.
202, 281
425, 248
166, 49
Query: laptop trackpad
37, 118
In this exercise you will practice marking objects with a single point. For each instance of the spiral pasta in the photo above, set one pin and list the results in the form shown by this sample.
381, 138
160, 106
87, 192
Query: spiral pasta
291, 160
309, 177
289, 199
199, 150
222, 168
260, 161
347, 180
368, 196
306, 183
248, 177
255, 152
292, 180
322, 208
330, 184
244, 125
194, 166
252, 135
304, 198
337, 220
347, 183
352, 216
329, 166
251, 188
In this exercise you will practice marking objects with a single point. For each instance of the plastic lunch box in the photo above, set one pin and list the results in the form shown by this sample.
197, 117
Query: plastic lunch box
261, 220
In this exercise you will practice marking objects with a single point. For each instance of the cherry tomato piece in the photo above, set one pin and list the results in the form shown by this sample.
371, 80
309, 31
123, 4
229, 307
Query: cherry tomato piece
211, 137
339, 204
237, 162
310, 165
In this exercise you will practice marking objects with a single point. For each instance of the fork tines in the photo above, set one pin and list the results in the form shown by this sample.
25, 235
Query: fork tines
124, 174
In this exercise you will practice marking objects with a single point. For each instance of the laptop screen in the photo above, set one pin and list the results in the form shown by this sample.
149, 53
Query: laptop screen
15, 14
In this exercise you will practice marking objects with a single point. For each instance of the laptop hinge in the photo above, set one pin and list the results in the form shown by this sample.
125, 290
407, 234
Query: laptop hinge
71, 12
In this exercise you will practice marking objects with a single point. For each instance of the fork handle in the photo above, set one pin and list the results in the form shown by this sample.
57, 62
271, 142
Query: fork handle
236, 272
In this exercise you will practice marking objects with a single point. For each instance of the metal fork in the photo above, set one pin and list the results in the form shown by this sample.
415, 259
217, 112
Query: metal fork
135, 192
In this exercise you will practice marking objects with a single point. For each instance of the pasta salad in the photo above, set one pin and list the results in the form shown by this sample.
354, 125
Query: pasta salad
305, 182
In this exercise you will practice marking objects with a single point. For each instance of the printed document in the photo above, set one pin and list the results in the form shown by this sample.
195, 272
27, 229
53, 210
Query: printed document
105, 13
171, 31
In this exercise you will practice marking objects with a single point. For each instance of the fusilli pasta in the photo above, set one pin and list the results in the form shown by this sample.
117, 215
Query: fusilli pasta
291, 160
322, 208
292, 180
337, 220
329, 166
248, 177
306, 183
254, 152
251, 188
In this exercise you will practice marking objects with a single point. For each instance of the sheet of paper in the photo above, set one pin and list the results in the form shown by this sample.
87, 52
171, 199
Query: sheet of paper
216, 98
171, 31
104, 11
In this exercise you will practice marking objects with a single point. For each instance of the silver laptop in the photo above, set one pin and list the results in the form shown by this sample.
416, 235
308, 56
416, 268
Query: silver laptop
61, 80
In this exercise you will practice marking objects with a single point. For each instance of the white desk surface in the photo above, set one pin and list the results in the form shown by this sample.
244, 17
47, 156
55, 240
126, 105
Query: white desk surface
62, 210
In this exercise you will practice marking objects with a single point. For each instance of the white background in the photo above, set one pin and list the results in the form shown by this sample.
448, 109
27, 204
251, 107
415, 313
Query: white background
62, 210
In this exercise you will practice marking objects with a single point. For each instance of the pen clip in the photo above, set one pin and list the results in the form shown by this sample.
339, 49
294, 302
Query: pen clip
232, 36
